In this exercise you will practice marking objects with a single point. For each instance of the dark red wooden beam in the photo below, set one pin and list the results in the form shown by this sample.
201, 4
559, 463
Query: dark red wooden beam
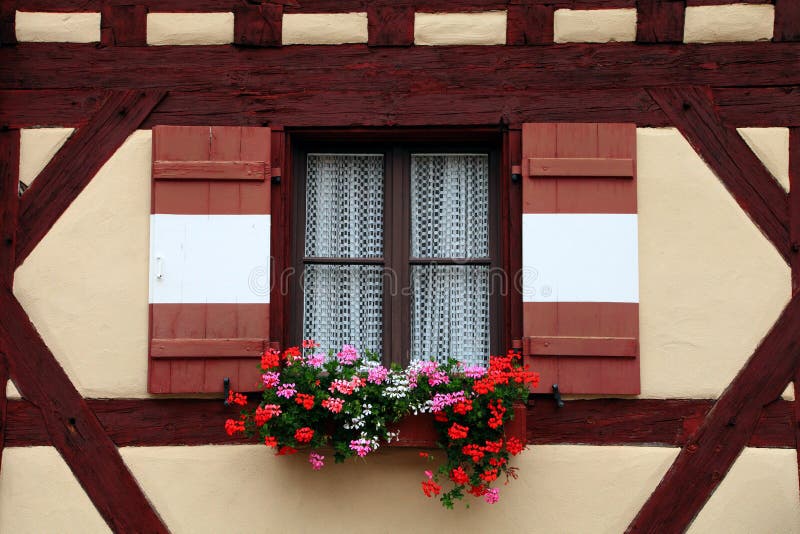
258, 25
4, 374
660, 21
8, 33
787, 20
729, 426
390, 24
529, 24
9, 204
123, 25
669, 423
367, 71
691, 109
745, 106
77, 162
72, 426
794, 205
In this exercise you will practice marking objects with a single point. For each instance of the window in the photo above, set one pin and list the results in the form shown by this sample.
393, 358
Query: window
397, 246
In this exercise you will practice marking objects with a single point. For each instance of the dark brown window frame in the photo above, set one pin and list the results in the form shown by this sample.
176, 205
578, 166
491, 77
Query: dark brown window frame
397, 148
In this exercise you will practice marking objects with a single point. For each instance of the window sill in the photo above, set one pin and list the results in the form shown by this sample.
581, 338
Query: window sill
419, 431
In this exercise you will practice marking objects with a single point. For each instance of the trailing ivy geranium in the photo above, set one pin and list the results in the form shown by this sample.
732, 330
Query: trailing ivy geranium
348, 400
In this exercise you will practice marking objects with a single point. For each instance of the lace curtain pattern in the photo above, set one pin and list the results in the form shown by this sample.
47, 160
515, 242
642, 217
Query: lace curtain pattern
450, 219
344, 219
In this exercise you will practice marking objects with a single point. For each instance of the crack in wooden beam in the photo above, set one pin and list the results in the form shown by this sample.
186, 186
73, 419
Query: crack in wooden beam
692, 110
711, 451
76, 163
71, 425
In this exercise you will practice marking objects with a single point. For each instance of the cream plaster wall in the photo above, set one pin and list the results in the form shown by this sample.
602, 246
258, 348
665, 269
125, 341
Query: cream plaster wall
771, 145
560, 489
57, 27
85, 285
324, 28
482, 28
594, 25
11, 391
37, 147
39, 494
759, 494
189, 28
727, 23
711, 284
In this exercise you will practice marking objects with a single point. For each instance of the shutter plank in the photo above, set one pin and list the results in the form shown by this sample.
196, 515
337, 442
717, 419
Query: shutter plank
210, 170
581, 167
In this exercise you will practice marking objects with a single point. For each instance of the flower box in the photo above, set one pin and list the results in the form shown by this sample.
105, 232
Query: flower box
419, 431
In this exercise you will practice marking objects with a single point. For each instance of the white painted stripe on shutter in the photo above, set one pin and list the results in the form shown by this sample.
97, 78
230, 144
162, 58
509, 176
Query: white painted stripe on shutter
577, 257
209, 259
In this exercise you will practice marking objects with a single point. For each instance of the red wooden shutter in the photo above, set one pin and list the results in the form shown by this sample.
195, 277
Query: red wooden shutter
580, 256
209, 257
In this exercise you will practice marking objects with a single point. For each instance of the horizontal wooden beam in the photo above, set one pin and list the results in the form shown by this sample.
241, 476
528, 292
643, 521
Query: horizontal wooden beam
370, 72
623, 347
141, 422
210, 170
737, 106
202, 348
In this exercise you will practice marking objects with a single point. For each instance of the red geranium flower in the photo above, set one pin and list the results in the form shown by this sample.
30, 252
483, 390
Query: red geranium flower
270, 441
285, 450
459, 476
305, 400
430, 488
458, 431
303, 435
270, 359
514, 446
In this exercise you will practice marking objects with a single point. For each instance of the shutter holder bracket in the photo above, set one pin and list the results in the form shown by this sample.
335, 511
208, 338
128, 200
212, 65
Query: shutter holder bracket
226, 389
557, 396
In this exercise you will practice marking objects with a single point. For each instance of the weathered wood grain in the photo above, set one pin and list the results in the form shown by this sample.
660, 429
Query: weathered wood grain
726, 430
529, 24
390, 24
660, 21
124, 25
426, 69
71, 425
8, 33
3, 400
794, 205
26, 108
787, 20
691, 109
260, 25
77, 162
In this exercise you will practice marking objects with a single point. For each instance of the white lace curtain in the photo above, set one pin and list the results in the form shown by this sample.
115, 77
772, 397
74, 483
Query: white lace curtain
450, 220
343, 303
344, 219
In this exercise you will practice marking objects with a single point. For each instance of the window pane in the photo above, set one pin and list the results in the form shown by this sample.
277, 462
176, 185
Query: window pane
450, 205
343, 304
344, 206
450, 312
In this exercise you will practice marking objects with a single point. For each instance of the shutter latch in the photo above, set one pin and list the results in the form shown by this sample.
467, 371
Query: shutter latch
557, 396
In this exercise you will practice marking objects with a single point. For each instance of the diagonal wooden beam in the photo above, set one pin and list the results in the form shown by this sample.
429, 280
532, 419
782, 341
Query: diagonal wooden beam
73, 167
9, 203
794, 232
692, 110
3, 399
705, 460
73, 428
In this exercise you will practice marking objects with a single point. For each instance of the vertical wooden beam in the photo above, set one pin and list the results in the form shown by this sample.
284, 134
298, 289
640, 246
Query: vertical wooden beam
529, 24
260, 25
390, 24
787, 20
123, 25
3, 399
710, 452
794, 233
660, 21
9, 204
794, 205
692, 111
8, 13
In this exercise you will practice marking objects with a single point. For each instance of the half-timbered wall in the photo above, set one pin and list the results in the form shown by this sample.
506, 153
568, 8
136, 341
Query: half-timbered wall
711, 284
